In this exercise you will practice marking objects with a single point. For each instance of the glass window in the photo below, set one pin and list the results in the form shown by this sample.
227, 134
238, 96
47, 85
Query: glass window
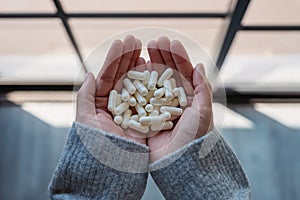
146, 6
35, 51
272, 12
263, 59
27, 6
91, 32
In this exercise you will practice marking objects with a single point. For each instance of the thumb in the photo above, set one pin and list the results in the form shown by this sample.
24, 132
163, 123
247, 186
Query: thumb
86, 99
202, 101
199, 80
201, 84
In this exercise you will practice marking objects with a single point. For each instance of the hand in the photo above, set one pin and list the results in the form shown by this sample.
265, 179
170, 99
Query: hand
196, 120
93, 95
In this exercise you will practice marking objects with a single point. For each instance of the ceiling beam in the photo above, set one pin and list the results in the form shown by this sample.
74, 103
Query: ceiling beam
230, 27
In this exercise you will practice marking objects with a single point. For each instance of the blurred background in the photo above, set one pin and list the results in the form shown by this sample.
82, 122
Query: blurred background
255, 44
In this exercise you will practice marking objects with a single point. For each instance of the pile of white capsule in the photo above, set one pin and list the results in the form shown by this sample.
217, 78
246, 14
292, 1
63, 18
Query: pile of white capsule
155, 100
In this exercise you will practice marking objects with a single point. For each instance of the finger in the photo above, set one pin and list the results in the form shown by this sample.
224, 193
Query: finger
140, 64
101, 103
186, 84
106, 76
203, 72
164, 48
181, 60
140, 61
203, 99
200, 82
127, 56
149, 66
136, 54
155, 57
154, 52
86, 98
201, 109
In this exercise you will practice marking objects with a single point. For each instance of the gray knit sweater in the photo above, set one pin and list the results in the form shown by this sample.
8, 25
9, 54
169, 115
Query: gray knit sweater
191, 172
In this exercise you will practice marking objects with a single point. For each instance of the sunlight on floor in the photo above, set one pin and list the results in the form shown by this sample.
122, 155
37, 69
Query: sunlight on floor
286, 114
54, 114
232, 119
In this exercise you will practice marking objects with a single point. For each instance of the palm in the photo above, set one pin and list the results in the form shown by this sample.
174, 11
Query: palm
104, 122
187, 128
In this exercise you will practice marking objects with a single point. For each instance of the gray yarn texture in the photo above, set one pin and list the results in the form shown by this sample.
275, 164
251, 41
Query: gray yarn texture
79, 175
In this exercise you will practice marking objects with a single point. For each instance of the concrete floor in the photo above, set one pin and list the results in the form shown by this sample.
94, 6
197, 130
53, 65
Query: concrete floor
30, 149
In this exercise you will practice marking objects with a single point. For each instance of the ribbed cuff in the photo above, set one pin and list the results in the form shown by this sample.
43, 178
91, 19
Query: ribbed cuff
207, 168
114, 151
85, 172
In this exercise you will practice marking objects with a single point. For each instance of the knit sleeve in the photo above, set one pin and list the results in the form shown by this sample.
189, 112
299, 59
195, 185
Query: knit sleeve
207, 168
97, 165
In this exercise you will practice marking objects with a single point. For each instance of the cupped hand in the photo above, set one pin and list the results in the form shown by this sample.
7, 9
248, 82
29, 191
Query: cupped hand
196, 119
93, 95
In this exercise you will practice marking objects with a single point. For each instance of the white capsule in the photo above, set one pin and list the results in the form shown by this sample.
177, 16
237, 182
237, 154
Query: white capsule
146, 120
159, 92
112, 100
129, 86
163, 126
168, 90
152, 80
140, 87
121, 108
160, 101
132, 101
176, 91
140, 110
168, 125
147, 76
154, 113
126, 118
125, 95
140, 99
119, 99
171, 110
182, 97
165, 76
135, 117
165, 116
138, 127
175, 102
118, 119
149, 108
173, 83
149, 96
136, 75
157, 127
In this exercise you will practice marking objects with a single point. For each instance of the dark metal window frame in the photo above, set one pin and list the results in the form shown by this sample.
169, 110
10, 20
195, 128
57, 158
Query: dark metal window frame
232, 24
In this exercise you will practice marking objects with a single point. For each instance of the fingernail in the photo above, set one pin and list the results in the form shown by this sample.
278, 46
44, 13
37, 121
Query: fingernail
200, 68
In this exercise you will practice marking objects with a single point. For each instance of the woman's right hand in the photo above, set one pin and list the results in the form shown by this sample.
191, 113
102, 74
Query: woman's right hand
93, 95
